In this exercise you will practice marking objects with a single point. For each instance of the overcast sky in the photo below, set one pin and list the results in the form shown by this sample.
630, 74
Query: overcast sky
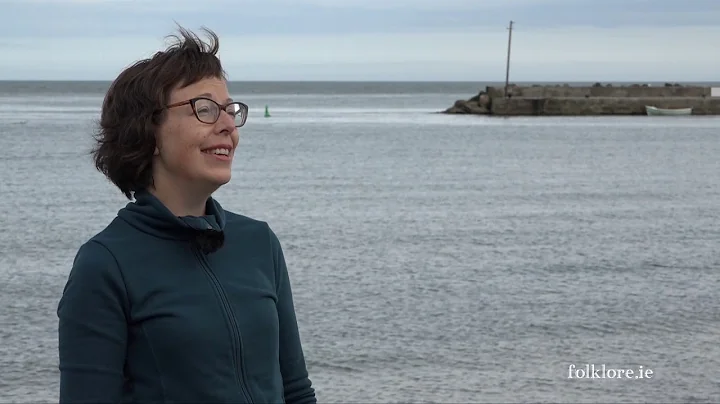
553, 40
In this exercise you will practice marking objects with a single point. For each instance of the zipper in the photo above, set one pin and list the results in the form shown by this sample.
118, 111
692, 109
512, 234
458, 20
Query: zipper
236, 338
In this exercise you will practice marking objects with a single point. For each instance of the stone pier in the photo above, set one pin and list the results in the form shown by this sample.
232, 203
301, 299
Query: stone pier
588, 101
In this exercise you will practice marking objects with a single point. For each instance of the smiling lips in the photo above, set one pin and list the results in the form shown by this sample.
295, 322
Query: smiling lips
219, 152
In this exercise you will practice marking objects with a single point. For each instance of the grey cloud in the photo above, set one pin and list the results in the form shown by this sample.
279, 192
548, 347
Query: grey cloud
39, 18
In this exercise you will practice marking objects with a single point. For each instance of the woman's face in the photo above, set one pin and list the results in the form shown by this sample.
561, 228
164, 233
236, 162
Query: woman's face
190, 154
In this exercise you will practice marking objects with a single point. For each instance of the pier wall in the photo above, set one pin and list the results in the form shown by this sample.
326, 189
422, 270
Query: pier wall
564, 100
581, 106
597, 91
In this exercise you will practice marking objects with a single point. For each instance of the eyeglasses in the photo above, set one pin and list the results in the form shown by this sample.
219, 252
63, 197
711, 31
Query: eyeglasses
208, 111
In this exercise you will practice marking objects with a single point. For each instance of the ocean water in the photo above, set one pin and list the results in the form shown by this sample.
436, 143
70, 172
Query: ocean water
434, 258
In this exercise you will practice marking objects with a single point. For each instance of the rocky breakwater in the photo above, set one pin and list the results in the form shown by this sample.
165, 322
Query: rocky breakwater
598, 99
477, 105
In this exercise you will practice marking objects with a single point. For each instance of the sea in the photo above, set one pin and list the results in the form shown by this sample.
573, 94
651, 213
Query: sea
434, 258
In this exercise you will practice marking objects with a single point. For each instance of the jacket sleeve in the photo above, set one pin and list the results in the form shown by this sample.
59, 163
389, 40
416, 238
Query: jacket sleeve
92, 331
296, 383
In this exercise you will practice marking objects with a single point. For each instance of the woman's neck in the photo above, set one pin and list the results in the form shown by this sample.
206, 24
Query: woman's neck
179, 201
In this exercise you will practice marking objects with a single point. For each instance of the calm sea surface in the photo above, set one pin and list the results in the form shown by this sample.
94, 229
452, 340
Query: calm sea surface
433, 258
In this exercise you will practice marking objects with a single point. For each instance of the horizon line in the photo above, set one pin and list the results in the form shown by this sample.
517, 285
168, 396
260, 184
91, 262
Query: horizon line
635, 81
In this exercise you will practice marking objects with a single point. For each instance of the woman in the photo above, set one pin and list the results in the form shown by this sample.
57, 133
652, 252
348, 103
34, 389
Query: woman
177, 300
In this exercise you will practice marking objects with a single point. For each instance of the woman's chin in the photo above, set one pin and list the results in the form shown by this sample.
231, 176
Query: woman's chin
218, 178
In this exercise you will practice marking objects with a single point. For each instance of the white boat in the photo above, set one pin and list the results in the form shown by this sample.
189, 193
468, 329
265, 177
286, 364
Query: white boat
654, 111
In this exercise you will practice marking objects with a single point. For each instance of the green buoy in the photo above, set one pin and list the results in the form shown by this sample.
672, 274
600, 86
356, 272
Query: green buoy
267, 113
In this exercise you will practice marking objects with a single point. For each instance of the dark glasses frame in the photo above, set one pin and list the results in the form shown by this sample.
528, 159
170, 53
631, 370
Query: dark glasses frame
243, 109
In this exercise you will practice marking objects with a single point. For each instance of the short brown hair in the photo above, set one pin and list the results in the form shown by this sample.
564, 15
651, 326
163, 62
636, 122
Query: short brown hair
134, 107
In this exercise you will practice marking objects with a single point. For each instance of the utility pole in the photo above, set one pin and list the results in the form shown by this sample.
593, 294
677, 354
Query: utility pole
507, 65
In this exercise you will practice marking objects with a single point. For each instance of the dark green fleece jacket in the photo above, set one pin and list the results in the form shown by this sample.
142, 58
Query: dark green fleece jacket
166, 309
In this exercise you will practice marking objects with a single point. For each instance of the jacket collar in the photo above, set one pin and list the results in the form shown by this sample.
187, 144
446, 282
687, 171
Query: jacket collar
151, 216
